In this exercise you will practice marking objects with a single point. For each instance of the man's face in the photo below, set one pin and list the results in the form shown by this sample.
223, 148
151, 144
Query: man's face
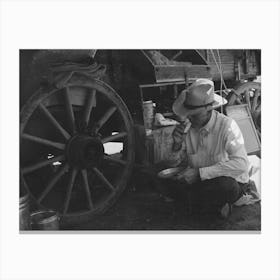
198, 120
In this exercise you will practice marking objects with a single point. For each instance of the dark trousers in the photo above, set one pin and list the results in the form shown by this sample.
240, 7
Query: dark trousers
203, 196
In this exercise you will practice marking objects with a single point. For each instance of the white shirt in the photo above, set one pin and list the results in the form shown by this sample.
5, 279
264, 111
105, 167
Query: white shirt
217, 149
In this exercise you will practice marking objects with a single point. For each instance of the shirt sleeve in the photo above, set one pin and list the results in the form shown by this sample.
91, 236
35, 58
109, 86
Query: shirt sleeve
237, 162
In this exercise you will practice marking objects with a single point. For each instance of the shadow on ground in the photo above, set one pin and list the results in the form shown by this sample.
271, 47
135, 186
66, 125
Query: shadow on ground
148, 210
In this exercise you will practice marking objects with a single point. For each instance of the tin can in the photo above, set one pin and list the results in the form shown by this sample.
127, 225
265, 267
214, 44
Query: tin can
148, 114
24, 213
45, 220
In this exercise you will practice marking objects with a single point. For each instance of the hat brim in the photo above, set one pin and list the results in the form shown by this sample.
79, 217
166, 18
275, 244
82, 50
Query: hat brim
180, 110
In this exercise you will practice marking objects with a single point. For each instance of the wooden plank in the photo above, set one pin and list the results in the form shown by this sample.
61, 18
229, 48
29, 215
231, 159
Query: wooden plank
173, 73
161, 145
228, 71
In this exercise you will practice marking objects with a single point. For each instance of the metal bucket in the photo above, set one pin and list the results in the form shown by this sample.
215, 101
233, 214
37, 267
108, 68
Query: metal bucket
24, 213
45, 220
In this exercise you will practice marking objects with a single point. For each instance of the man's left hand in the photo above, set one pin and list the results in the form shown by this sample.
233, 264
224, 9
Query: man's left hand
190, 175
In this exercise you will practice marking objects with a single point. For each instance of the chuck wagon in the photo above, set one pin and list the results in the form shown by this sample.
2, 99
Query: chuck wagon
78, 107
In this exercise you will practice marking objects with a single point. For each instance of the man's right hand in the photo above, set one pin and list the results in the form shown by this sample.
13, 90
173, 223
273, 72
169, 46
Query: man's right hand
178, 133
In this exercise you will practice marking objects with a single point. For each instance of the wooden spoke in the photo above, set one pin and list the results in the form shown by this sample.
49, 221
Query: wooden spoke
86, 185
43, 141
91, 102
51, 118
237, 100
23, 181
251, 98
115, 160
53, 181
69, 190
69, 110
247, 98
114, 137
106, 117
41, 164
255, 100
103, 179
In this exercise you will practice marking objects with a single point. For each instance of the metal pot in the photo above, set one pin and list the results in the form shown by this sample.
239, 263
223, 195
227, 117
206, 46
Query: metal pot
45, 220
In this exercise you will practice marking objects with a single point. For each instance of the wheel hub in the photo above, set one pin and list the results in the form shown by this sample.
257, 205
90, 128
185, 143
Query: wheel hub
84, 151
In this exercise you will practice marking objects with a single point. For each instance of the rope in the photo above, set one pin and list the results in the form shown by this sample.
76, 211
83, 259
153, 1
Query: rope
219, 67
222, 79
220, 70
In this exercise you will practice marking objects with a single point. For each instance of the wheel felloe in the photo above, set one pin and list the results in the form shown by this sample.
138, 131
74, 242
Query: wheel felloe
249, 93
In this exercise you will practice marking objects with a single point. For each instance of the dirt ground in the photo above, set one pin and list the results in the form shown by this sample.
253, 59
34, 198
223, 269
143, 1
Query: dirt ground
143, 208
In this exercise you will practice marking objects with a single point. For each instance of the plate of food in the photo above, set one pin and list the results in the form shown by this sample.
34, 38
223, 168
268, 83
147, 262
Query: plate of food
170, 172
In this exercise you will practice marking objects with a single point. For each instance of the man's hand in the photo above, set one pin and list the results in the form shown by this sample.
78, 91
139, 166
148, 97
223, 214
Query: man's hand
178, 133
190, 175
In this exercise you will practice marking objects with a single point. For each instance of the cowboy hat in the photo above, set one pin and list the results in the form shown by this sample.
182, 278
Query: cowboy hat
199, 95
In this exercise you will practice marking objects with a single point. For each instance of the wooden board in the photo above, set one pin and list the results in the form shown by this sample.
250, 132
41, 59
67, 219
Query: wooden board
241, 114
159, 143
175, 73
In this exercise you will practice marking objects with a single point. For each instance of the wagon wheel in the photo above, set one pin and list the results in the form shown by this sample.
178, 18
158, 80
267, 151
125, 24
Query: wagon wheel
249, 93
67, 134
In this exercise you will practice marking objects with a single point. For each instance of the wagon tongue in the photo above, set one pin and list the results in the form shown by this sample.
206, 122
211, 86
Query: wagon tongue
84, 151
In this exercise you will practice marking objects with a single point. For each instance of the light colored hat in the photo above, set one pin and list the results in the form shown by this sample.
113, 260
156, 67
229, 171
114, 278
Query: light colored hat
198, 95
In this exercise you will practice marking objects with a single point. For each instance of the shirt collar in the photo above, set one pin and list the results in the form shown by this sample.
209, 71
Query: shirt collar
210, 123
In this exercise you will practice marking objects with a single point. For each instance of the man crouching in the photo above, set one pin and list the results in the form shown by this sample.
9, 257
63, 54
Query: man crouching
211, 147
